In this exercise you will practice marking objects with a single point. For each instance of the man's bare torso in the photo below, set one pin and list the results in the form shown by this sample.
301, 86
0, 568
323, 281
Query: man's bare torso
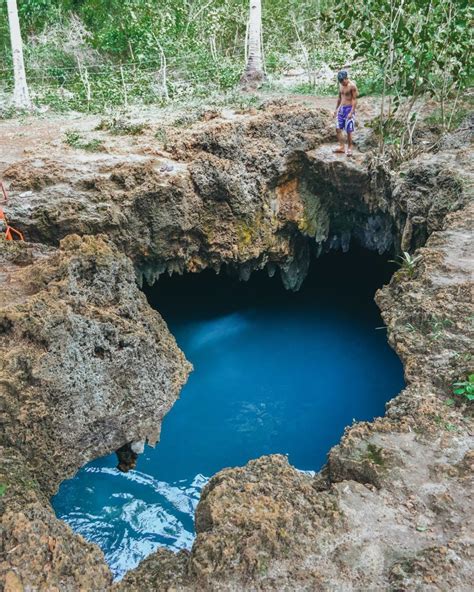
347, 93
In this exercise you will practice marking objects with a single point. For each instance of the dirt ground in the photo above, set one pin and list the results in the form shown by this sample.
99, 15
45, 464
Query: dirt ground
44, 134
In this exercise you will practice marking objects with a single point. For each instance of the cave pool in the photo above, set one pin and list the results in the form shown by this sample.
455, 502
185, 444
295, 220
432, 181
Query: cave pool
274, 372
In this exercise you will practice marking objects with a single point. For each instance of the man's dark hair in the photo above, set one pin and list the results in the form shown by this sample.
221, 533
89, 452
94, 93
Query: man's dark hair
342, 75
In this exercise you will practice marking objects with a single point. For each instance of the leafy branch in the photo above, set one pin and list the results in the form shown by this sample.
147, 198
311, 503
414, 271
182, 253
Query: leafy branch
424, 49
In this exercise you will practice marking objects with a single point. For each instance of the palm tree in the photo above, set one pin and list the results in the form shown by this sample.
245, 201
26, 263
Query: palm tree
21, 97
254, 73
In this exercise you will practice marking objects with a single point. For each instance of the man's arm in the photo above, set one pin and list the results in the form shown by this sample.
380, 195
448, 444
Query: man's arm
338, 103
353, 101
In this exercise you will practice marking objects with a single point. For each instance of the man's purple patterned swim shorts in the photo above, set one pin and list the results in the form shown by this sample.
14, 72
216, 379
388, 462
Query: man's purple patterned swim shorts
343, 123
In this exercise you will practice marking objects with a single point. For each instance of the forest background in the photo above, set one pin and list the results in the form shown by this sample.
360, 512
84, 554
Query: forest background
103, 55
106, 52
88, 54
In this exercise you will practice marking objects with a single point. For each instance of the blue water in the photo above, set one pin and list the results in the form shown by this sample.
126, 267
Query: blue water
274, 371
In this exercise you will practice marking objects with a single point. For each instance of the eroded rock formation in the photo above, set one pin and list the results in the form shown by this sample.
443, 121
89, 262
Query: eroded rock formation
87, 367
243, 191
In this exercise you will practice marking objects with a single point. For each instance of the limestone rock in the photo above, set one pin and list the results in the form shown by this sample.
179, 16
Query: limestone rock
86, 365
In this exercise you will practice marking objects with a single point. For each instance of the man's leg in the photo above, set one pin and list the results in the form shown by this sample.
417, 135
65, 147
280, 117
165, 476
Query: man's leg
340, 139
350, 126
349, 143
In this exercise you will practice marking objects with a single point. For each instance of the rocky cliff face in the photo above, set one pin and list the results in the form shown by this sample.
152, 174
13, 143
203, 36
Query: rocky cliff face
87, 367
75, 347
243, 191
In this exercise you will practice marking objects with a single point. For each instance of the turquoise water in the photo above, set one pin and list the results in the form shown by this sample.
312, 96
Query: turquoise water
275, 371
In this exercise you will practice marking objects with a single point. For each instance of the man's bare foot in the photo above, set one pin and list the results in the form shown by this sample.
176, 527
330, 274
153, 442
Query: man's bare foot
339, 150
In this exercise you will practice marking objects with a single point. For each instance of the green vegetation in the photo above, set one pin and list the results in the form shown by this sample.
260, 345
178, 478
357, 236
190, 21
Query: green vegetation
162, 136
431, 326
102, 55
407, 263
375, 454
75, 140
423, 50
90, 55
118, 126
307, 88
446, 425
437, 117
3, 489
465, 388
438, 326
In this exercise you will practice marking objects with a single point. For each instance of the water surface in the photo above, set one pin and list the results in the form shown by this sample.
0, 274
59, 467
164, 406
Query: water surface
275, 372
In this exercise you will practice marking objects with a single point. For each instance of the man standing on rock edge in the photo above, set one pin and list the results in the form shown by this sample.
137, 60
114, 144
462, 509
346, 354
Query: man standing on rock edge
345, 111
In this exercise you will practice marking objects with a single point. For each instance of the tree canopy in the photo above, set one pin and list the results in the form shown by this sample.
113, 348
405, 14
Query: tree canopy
103, 52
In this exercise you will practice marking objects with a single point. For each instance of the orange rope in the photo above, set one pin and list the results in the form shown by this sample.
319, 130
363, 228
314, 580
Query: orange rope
10, 232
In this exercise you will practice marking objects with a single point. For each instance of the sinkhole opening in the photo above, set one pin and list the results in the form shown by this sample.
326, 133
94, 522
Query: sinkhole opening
274, 372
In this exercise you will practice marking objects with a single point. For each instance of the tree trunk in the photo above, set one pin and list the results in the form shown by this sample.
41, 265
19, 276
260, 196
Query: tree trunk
21, 97
254, 73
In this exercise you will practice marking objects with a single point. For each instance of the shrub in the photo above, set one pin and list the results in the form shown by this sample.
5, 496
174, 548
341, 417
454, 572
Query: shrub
465, 388
407, 263
75, 140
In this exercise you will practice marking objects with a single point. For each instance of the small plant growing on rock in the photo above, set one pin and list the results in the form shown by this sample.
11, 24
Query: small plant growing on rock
122, 127
72, 139
407, 263
375, 454
465, 388
75, 140
162, 136
432, 326
438, 325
